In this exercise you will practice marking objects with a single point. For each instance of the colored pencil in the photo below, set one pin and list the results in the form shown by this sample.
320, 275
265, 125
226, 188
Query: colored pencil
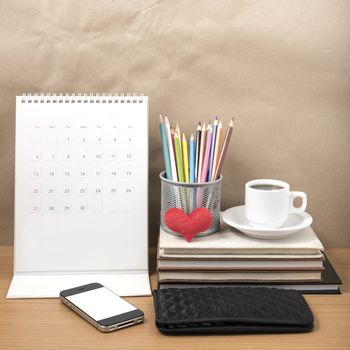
224, 150
177, 131
165, 148
217, 150
201, 153
198, 144
207, 154
185, 157
171, 149
178, 156
172, 135
212, 149
172, 141
192, 158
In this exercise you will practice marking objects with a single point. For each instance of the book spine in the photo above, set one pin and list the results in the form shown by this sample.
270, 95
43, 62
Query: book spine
246, 269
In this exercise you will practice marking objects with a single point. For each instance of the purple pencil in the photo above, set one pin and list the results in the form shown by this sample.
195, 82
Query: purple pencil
207, 155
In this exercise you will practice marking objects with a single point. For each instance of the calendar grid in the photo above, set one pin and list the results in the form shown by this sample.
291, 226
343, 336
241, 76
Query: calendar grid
81, 177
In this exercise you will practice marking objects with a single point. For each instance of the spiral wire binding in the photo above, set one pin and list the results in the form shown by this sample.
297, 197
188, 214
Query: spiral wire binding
84, 98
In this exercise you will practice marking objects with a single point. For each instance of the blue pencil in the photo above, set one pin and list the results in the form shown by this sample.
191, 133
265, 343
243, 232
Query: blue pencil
212, 149
192, 159
165, 149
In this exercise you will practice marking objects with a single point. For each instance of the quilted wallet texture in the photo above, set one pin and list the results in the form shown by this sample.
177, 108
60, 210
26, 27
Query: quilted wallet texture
219, 310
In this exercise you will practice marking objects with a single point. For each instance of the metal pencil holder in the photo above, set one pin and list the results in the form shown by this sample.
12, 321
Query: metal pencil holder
189, 196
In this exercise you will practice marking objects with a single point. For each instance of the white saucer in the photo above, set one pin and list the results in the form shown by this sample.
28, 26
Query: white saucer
235, 217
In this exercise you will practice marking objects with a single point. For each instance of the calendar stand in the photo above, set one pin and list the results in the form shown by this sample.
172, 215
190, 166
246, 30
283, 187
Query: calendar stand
81, 194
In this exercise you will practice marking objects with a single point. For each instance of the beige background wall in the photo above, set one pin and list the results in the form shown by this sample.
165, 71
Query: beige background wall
280, 67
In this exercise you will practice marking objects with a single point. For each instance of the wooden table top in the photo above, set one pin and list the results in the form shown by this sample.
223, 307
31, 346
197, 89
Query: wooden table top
48, 324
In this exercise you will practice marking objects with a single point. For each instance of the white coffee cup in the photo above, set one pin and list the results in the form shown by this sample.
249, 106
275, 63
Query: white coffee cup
268, 203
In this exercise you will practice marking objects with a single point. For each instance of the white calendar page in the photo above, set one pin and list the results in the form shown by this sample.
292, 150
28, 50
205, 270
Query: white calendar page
81, 184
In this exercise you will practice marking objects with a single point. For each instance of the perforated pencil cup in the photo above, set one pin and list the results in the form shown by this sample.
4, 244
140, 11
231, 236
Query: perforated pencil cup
190, 209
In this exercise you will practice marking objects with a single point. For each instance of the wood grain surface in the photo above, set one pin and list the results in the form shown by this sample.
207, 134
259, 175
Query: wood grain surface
47, 324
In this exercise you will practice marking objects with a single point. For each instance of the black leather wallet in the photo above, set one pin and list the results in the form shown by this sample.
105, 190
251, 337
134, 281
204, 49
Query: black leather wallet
223, 310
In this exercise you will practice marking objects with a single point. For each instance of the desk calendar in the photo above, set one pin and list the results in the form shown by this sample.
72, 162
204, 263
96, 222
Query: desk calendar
81, 194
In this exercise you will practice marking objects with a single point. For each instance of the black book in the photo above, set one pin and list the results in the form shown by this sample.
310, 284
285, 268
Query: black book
330, 283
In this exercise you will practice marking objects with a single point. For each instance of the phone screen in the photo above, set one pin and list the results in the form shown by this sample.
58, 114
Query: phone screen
100, 303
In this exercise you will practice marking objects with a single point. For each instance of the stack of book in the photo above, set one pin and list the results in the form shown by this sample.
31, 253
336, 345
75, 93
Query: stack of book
228, 256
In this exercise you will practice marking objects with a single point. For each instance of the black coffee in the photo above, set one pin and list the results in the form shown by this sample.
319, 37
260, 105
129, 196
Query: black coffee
267, 187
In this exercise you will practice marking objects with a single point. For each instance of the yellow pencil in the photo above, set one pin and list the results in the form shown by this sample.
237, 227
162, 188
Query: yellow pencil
178, 155
185, 157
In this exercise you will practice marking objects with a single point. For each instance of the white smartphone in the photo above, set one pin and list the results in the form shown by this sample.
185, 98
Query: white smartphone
101, 307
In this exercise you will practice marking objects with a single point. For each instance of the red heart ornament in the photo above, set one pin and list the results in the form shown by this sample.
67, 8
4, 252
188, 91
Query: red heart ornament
188, 225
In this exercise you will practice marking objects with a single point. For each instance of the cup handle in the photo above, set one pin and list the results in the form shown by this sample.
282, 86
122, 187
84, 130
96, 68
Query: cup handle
292, 196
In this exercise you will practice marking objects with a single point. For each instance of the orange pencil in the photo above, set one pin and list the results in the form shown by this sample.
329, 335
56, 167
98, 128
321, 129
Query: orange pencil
224, 150
216, 150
